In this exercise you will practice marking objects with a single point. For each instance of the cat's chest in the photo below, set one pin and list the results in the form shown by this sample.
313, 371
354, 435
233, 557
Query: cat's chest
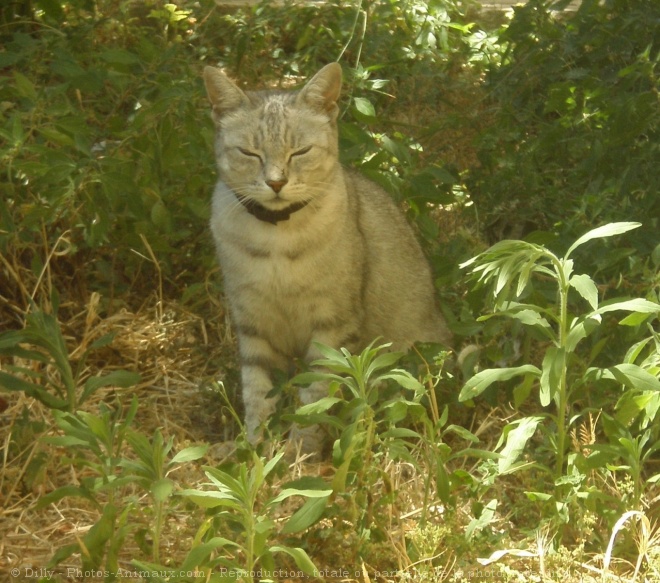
279, 259
275, 265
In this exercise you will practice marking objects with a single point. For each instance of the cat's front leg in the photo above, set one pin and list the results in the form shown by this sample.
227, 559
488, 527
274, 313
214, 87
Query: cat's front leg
258, 360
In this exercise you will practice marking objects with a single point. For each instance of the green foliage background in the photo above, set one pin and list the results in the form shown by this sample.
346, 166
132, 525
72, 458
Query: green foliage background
580, 101
106, 139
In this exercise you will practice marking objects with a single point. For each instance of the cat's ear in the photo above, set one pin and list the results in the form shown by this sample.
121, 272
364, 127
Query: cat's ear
222, 92
322, 91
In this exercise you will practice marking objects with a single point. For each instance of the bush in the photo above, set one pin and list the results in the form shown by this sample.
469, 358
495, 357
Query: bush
574, 140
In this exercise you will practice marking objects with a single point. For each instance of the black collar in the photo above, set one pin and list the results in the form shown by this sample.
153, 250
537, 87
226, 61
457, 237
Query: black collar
270, 216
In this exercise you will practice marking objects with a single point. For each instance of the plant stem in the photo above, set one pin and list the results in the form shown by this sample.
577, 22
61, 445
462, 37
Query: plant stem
562, 403
157, 532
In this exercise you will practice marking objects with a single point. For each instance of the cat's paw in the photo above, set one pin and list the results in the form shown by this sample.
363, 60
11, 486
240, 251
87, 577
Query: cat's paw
306, 444
222, 451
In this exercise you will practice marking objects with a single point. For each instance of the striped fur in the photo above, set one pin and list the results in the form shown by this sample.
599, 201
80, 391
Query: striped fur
341, 270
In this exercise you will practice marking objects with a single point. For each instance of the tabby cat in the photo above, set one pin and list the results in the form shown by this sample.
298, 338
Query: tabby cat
310, 251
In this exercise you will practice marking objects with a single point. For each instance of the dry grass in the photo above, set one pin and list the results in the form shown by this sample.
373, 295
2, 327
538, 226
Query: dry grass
167, 353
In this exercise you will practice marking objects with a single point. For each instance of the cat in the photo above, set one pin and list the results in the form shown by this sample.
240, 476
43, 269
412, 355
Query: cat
309, 250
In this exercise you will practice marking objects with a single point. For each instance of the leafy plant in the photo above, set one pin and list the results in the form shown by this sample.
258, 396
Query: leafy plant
360, 410
94, 443
244, 504
73, 127
151, 469
510, 269
573, 136
382, 413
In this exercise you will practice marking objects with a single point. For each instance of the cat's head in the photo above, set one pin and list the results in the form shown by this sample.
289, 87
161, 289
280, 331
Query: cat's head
274, 147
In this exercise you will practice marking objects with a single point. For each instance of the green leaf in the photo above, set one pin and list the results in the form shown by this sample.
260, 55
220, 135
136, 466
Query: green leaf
66, 441
580, 330
608, 230
63, 553
522, 391
585, 286
635, 377
227, 483
526, 272
516, 440
103, 341
483, 379
97, 537
25, 87
64, 492
442, 483
385, 360
538, 496
199, 555
554, 363
403, 378
270, 465
635, 305
396, 148
364, 106
117, 378
632, 404
13, 383
162, 489
299, 556
636, 349
505, 274
634, 319
400, 433
288, 492
463, 433
319, 406
533, 319
441, 174
307, 515
211, 499
190, 454
485, 518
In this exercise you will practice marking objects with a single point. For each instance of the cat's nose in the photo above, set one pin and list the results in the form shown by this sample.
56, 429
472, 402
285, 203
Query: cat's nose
277, 185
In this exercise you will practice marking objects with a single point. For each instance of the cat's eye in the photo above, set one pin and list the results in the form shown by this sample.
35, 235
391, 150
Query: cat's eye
249, 153
301, 152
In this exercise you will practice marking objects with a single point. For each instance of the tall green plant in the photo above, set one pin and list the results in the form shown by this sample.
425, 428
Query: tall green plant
93, 443
151, 469
509, 269
360, 375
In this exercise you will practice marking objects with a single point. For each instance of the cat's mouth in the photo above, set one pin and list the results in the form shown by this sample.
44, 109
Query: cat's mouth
276, 202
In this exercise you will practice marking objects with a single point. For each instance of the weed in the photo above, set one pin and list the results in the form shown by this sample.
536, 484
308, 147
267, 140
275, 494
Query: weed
240, 497
510, 267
